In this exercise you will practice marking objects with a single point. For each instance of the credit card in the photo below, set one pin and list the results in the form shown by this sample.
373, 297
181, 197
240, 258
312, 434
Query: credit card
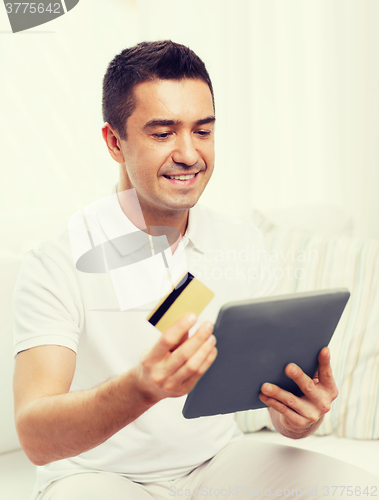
190, 295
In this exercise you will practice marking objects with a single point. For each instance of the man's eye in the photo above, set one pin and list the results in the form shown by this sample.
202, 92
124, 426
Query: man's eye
204, 133
163, 135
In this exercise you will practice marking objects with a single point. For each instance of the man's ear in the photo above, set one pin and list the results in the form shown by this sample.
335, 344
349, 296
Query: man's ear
113, 142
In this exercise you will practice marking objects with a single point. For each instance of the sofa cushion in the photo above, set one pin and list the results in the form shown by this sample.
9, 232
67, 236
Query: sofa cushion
17, 476
9, 267
19, 236
306, 261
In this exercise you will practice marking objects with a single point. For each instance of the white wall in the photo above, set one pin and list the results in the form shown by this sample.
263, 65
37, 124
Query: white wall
53, 157
296, 101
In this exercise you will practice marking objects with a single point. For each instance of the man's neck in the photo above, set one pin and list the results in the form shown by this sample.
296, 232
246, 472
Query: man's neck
147, 220
178, 221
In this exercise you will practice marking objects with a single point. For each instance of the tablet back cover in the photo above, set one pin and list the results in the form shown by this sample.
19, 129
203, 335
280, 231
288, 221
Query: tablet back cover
256, 339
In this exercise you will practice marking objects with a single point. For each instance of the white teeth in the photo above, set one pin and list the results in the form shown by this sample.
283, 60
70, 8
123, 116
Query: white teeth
182, 177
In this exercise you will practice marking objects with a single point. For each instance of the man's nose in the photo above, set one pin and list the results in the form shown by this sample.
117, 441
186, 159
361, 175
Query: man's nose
185, 151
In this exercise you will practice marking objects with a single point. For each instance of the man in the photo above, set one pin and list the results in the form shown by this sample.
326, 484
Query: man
98, 391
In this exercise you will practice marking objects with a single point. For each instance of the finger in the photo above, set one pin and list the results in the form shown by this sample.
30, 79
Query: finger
305, 383
172, 337
208, 361
325, 374
183, 339
292, 416
196, 364
300, 406
190, 382
184, 352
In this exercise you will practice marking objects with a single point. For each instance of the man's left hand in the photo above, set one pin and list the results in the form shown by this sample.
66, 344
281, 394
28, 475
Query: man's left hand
300, 416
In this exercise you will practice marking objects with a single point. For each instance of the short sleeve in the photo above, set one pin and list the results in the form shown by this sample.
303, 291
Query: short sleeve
46, 307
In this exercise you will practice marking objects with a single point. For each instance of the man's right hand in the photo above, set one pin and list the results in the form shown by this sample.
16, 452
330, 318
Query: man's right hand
175, 363
53, 423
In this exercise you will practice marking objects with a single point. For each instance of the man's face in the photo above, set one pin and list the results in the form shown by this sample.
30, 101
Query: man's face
169, 134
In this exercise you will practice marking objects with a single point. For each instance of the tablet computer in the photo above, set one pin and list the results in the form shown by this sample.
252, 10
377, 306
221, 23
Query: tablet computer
256, 339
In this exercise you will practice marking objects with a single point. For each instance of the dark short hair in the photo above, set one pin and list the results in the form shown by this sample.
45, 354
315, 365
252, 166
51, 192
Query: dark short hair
163, 60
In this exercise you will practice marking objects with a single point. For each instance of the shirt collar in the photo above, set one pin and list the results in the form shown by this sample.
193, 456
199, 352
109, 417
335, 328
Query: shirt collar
196, 230
116, 224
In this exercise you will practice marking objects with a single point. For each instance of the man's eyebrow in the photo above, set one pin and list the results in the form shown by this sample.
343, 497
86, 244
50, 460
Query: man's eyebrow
161, 123
167, 123
204, 121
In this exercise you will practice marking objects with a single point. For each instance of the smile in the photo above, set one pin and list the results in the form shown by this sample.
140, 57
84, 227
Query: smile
182, 180
181, 177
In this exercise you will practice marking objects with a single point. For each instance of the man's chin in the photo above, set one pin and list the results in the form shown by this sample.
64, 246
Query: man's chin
184, 204
175, 208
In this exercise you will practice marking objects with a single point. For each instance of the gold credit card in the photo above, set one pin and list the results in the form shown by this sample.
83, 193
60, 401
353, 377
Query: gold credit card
190, 295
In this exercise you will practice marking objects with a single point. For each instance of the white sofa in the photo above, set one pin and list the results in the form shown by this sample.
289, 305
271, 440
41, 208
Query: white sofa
341, 439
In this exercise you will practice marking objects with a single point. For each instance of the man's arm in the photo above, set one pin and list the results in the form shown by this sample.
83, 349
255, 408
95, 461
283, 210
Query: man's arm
298, 417
53, 424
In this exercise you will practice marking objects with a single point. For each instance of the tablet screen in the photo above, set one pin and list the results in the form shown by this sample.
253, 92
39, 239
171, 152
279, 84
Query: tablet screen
256, 339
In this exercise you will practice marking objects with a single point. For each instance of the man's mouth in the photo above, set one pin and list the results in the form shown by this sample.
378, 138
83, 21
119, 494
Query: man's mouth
181, 177
182, 180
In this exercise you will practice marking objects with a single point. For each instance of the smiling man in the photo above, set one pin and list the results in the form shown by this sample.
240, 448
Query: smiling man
167, 152
98, 390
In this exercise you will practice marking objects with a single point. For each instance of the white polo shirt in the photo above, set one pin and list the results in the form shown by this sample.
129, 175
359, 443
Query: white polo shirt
57, 304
